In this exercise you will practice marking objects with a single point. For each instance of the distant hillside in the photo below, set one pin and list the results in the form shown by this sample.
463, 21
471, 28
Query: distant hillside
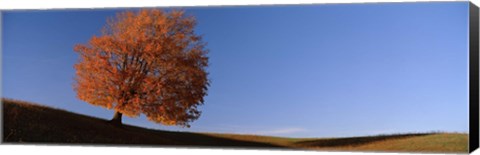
31, 123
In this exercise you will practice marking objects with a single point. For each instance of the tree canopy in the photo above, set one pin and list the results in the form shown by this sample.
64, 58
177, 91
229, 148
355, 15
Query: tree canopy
148, 62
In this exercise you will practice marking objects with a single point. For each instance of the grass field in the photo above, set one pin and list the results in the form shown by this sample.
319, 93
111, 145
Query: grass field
31, 123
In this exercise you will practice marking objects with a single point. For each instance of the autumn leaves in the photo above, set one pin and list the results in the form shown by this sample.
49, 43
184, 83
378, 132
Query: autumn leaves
147, 62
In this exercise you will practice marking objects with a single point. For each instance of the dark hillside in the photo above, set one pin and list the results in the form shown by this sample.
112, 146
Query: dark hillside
31, 123
26, 122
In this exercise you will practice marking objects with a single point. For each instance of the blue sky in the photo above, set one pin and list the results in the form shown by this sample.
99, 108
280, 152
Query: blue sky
300, 71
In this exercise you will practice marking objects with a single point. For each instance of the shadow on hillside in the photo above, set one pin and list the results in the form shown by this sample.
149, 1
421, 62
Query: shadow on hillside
29, 123
196, 139
354, 141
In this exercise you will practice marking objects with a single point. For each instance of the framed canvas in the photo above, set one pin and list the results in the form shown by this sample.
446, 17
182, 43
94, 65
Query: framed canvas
357, 77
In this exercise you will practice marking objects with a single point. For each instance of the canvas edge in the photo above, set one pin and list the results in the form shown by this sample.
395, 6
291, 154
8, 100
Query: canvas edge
473, 77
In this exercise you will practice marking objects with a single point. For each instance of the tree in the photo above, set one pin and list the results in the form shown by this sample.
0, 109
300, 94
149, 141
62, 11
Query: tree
147, 62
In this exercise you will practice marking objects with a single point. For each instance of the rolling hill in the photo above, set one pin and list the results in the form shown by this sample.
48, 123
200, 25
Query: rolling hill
29, 123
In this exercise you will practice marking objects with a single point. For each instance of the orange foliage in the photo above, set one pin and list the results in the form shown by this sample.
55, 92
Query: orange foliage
148, 62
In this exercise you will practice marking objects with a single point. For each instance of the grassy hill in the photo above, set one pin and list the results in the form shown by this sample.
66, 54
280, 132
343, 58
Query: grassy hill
31, 123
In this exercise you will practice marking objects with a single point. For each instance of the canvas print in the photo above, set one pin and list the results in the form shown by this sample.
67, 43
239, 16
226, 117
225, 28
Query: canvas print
373, 77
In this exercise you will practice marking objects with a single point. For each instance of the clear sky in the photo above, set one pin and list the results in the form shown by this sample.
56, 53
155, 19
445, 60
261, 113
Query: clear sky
302, 71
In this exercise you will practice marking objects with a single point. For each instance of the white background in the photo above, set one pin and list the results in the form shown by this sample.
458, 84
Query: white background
87, 150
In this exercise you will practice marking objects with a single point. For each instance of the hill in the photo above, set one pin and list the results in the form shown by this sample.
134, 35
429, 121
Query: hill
31, 123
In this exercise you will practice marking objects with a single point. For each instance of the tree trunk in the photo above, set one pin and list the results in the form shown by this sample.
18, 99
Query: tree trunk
117, 118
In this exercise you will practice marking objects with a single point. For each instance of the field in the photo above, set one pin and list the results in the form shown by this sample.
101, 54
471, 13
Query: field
32, 123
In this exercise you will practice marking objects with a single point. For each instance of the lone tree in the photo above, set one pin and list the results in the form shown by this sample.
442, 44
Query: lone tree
149, 62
